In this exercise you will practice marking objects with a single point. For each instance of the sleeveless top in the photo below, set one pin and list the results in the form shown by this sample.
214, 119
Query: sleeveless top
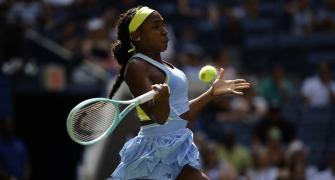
177, 82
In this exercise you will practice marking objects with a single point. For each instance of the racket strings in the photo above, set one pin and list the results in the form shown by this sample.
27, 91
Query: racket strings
93, 120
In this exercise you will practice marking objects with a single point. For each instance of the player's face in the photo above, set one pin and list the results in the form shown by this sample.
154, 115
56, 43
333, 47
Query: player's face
153, 33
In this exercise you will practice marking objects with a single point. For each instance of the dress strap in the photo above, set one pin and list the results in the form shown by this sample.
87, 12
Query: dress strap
155, 63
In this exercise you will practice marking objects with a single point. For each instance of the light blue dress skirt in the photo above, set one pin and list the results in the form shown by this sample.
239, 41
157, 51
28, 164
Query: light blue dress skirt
158, 152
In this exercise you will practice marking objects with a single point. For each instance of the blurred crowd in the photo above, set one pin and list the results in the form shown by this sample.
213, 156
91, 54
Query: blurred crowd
282, 128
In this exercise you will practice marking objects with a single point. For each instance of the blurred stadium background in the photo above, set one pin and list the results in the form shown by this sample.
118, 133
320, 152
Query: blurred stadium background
56, 53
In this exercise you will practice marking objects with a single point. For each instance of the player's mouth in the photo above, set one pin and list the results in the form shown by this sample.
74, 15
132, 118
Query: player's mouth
166, 41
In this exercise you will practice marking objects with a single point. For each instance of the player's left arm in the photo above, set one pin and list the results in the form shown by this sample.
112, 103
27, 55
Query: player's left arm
218, 88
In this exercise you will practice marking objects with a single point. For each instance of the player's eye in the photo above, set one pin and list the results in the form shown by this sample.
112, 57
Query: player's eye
156, 26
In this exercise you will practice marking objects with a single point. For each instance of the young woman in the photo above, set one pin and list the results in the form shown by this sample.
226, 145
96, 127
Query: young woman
164, 147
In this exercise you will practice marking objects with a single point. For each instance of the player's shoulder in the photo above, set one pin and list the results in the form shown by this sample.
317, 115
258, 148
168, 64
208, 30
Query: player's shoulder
137, 63
136, 68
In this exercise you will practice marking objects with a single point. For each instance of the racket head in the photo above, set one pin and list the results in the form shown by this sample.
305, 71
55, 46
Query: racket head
92, 120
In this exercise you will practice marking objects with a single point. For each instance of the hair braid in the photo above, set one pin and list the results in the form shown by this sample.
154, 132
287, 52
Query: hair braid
121, 46
118, 81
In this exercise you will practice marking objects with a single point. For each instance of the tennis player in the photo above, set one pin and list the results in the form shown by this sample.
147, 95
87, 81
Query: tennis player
164, 147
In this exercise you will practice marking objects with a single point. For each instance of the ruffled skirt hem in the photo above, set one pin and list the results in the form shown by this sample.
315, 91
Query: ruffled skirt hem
157, 157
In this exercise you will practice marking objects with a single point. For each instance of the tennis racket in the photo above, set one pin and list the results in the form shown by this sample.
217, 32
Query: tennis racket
96, 118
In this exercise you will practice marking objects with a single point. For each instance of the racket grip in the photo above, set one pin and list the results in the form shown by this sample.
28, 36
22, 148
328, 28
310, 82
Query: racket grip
147, 96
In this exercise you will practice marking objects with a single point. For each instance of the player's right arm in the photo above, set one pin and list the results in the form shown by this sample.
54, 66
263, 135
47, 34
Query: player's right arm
140, 78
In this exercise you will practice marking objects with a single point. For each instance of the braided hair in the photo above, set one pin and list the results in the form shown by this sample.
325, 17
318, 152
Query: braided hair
121, 46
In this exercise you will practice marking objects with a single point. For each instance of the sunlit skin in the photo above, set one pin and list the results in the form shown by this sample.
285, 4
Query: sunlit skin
153, 36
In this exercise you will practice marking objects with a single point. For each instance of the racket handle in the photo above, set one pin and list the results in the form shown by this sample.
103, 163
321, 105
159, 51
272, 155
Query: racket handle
147, 96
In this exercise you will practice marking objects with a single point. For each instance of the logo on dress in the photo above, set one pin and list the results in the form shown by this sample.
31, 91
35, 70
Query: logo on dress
168, 175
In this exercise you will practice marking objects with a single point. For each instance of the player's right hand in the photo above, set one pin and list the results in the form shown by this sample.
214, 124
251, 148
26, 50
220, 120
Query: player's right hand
163, 92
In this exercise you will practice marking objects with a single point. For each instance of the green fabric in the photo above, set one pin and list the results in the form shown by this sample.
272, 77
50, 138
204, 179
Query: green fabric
273, 94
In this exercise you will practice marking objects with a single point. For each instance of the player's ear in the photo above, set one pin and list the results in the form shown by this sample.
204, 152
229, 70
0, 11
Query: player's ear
135, 36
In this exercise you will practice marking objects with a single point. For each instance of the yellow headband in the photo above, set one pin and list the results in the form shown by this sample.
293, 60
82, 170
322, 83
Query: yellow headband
139, 17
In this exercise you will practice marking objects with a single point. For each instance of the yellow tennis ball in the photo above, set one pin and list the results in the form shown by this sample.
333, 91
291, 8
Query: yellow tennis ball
207, 74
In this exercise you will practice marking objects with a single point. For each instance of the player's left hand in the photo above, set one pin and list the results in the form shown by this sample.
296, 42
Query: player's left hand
221, 86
